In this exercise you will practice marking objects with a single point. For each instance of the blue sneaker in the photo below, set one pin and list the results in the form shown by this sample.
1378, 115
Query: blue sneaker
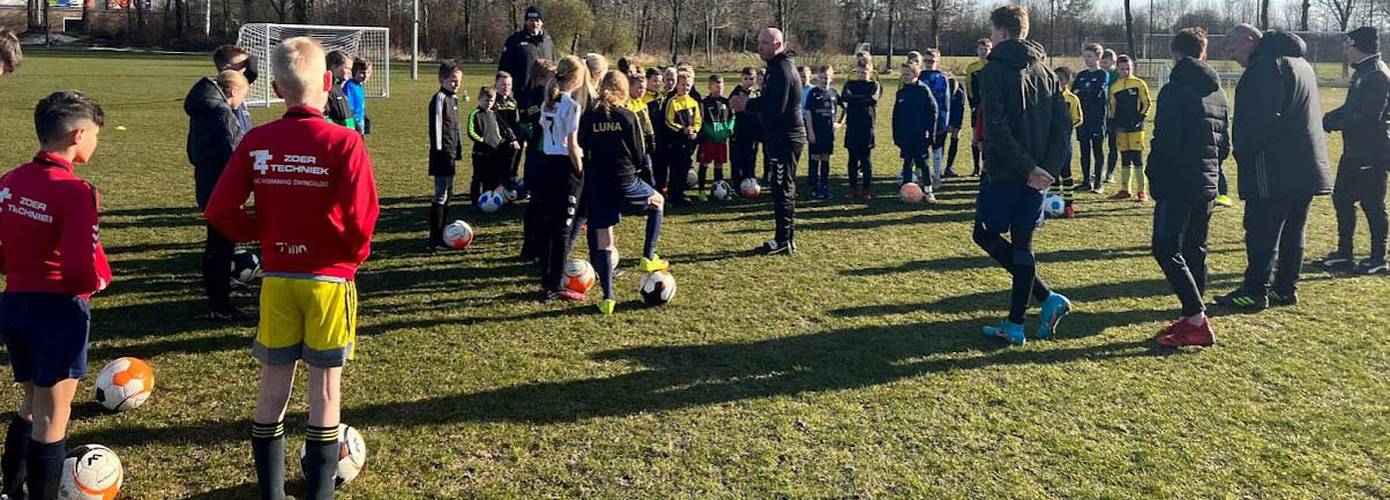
1053, 309
1012, 332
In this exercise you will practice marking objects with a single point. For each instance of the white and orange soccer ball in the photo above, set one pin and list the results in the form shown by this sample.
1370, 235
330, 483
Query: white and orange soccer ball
458, 234
578, 277
124, 384
91, 472
352, 454
911, 193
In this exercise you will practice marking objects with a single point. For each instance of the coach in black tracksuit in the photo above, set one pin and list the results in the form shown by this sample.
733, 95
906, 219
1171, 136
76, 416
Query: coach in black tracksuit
1366, 151
523, 48
784, 135
1191, 138
1281, 157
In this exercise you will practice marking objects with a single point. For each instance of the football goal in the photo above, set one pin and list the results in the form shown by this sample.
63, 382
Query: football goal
370, 43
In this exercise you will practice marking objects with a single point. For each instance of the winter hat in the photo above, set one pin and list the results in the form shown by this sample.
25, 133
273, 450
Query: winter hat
1365, 39
533, 13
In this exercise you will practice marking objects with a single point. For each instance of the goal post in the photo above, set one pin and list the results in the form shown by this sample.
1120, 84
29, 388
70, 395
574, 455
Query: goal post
368, 42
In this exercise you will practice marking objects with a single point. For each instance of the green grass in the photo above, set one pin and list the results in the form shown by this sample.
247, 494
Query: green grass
855, 368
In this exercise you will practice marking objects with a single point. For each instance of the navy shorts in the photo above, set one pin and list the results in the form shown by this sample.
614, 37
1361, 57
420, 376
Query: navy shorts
1001, 206
606, 206
46, 334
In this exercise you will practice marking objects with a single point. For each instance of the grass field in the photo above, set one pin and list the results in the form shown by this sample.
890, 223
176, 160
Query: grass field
853, 369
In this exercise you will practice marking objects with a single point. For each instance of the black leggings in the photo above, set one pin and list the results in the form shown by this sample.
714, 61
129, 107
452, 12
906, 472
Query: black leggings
217, 265
860, 162
556, 201
1016, 257
1091, 147
1113, 157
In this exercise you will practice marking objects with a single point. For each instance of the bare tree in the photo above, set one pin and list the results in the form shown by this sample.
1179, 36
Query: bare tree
1303, 15
1129, 27
1340, 10
675, 28
1264, 14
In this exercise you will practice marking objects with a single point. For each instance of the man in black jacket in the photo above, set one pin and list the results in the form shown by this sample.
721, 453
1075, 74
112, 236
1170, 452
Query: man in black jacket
1281, 158
1191, 139
1026, 124
1365, 154
214, 130
784, 134
524, 47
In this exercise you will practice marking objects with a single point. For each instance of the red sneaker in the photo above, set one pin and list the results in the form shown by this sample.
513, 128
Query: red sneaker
1184, 334
1069, 212
1122, 195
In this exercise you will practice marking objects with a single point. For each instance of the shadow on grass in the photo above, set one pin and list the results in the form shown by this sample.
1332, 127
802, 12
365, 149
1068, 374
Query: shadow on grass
683, 376
983, 261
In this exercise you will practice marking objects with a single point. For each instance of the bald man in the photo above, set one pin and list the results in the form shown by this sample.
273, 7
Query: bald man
784, 133
1281, 157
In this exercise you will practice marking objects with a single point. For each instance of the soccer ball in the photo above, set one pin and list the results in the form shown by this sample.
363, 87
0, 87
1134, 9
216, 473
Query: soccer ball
911, 193
579, 276
91, 472
657, 288
491, 201
749, 188
1054, 205
690, 178
124, 384
458, 234
352, 455
721, 190
246, 266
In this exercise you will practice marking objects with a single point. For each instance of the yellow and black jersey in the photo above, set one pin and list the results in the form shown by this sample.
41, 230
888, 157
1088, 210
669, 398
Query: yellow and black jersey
683, 111
1129, 104
972, 83
638, 107
1073, 107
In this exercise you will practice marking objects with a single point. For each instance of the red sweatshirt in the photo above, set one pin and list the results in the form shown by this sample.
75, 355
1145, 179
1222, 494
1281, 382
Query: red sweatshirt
48, 230
316, 204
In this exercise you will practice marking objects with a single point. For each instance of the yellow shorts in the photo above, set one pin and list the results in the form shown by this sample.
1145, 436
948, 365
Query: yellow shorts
306, 319
1130, 141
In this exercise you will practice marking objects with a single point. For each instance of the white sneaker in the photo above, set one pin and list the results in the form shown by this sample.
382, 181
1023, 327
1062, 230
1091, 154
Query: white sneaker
929, 198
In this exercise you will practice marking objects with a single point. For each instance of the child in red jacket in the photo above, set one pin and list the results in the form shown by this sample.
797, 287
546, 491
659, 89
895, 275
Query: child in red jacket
316, 210
53, 262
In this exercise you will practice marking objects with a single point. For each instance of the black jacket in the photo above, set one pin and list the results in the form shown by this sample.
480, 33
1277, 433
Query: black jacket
914, 118
1026, 117
747, 130
1276, 132
779, 105
612, 138
1191, 133
521, 50
444, 124
860, 98
338, 110
214, 131
1364, 117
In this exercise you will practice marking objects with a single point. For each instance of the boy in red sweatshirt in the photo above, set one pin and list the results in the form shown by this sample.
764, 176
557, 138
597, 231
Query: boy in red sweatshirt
316, 210
53, 262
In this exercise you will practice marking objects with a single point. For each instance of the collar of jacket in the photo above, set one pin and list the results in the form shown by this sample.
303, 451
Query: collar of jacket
1370, 60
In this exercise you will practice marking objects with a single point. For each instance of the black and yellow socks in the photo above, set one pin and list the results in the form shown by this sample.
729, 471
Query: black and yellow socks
268, 450
320, 461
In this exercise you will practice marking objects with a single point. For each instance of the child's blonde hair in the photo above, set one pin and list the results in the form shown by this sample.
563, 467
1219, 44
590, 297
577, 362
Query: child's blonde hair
299, 67
613, 90
569, 70
229, 79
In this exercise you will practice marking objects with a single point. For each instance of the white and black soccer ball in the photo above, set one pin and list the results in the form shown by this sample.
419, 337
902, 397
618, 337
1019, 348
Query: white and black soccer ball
657, 288
352, 455
690, 178
491, 201
91, 472
749, 188
246, 266
1054, 205
721, 190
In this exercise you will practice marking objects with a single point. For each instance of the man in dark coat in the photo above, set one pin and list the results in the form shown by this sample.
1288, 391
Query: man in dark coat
1027, 127
784, 134
524, 47
1281, 157
1191, 139
1365, 152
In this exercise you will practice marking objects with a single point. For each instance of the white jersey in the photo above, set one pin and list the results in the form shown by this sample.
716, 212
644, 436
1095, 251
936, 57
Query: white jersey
558, 122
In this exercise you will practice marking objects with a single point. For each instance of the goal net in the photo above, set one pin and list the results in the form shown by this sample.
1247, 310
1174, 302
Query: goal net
370, 43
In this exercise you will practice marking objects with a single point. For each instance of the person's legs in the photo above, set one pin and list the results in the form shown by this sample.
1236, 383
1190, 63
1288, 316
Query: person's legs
439, 208
217, 264
1222, 188
1171, 220
852, 169
1067, 183
937, 167
825, 175
951, 156
1126, 172
1141, 181
321, 448
268, 429
1113, 157
907, 170
1084, 141
1344, 205
1373, 204
866, 171
52, 408
1264, 219
703, 175
1291, 244
17, 438
655, 208
601, 256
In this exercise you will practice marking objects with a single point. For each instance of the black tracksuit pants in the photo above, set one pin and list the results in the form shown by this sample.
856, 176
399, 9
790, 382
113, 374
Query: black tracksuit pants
780, 161
1367, 187
1180, 247
217, 269
556, 200
1274, 233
